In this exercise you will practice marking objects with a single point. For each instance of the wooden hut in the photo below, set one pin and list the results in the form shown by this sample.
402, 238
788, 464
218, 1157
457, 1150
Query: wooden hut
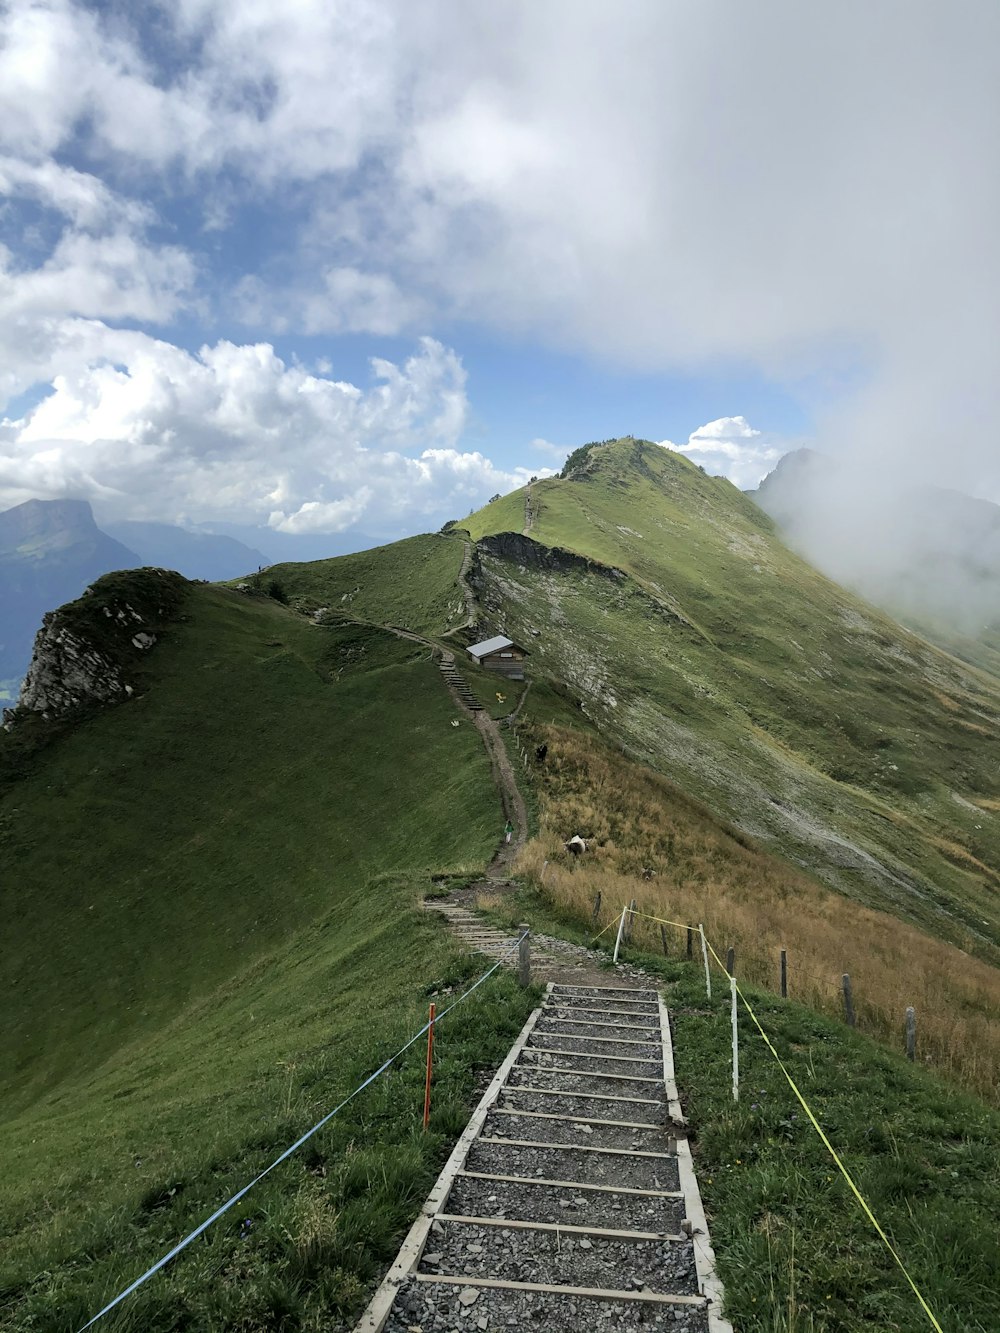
500, 654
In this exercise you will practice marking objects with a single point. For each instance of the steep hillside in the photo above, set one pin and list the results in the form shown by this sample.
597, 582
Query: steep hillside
688, 632
212, 930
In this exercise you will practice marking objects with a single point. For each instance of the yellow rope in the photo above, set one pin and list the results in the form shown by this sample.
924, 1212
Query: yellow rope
815, 1124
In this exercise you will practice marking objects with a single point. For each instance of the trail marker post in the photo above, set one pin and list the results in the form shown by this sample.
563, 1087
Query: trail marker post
731, 961
704, 955
784, 975
618, 941
911, 1033
690, 942
663, 939
596, 913
430, 1059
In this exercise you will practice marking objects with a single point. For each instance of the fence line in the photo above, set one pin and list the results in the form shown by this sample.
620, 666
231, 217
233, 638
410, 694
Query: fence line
737, 990
235, 1198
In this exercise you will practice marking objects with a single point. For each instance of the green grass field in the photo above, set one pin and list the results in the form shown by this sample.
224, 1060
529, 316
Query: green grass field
411, 583
212, 936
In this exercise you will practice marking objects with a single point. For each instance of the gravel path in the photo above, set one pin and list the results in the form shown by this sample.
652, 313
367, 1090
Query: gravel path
568, 1154
554, 1257
436, 1308
471, 1197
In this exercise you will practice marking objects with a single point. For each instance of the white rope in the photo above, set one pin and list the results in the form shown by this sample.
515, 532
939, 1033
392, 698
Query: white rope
193, 1235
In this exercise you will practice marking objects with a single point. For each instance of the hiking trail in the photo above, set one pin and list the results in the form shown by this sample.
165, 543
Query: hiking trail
570, 1201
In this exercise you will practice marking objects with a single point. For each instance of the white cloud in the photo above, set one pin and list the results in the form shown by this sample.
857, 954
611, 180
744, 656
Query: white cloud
559, 451
155, 432
730, 447
665, 186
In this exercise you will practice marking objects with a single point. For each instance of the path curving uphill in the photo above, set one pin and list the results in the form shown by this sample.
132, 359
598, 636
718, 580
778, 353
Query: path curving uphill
511, 800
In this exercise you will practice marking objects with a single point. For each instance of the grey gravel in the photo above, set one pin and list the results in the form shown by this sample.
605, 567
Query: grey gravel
576, 1207
538, 1053
502, 1126
564, 1259
429, 1307
588, 1168
540, 1075
577, 1104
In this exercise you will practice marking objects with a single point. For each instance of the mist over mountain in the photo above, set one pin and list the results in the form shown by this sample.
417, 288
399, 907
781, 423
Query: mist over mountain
926, 553
49, 551
197, 555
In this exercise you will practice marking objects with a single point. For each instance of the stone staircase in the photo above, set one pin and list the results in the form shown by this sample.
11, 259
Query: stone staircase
570, 1201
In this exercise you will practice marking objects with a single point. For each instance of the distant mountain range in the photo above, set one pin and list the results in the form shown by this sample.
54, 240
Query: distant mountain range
50, 550
929, 555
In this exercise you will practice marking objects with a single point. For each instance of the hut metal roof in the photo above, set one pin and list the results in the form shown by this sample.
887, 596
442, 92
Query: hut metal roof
493, 645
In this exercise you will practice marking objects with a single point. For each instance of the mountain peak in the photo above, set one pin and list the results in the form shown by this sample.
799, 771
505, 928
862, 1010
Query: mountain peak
41, 520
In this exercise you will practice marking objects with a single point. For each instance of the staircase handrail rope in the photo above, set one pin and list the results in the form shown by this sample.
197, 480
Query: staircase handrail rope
866, 1209
235, 1198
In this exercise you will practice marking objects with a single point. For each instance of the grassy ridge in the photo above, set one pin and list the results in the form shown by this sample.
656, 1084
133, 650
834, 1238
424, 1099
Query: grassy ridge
212, 936
759, 686
411, 583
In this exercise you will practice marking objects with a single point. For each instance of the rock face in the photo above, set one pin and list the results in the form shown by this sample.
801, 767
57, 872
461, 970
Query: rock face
88, 652
50, 550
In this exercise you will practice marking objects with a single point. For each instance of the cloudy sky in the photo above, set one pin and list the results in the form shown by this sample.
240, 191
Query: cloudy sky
341, 266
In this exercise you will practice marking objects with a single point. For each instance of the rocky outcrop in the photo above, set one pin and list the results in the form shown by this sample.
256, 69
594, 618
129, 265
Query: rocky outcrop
535, 555
88, 653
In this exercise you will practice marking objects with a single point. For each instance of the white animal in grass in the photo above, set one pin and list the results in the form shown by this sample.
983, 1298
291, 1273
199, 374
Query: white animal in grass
576, 845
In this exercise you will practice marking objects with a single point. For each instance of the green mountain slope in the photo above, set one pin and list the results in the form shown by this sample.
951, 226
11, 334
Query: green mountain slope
411, 583
212, 930
692, 635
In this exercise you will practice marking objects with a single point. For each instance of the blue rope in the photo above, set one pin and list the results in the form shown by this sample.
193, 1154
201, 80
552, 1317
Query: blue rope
181, 1245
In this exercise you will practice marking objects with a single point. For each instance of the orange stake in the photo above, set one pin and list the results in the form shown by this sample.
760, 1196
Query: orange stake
427, 1082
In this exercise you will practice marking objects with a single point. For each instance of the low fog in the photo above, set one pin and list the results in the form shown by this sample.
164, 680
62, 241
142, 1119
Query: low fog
927, 553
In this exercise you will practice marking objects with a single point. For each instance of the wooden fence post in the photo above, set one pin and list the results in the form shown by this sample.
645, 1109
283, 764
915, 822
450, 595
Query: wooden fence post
596, 913
731, 961
541, 878
663, 937
911, 1033
524, 954
784, 975
849, 1015
690, 942
630, 923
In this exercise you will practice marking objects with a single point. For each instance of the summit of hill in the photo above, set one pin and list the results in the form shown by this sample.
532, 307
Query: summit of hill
695, 638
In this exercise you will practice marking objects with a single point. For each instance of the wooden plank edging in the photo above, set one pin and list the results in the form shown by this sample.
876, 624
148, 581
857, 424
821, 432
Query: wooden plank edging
377, 1312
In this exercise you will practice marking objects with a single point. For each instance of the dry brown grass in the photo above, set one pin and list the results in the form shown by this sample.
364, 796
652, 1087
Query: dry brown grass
706, 872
